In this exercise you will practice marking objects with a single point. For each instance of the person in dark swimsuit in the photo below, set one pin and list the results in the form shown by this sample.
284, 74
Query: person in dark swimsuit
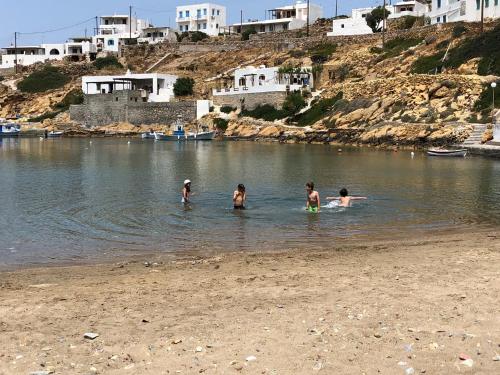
240, 197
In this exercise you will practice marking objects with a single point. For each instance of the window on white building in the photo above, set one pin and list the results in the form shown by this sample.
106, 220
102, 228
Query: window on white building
342, 26
218, 12
213, 12
180, 14
204, 26
187, 13
204, 12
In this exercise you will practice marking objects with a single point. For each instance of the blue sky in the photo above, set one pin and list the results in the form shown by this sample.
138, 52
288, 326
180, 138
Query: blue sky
42, 15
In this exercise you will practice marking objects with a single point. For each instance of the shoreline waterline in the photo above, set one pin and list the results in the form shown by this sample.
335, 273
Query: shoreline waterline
161, 257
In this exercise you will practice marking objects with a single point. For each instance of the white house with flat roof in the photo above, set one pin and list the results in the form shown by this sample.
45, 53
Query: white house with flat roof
154, 35
356, 24
444, 11
262, 79
115, 31
206, 17
75, 48
155, 87
289, 17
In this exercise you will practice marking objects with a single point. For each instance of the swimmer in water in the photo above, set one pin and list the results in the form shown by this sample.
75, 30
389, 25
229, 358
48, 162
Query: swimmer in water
345, 199
186, 191
240, 197
313, 201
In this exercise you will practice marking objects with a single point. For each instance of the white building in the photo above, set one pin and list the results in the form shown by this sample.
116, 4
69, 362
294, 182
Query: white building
75, 48
250, 80
207, 17
155, 87
289, 17
444, 11
356, 24
116, 31
153, 35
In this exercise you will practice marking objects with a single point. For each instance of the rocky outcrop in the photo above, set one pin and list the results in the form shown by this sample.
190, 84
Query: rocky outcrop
383, 134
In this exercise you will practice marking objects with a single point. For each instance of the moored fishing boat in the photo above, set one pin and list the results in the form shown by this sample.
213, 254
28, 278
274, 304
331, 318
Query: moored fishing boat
444, 152
148, 135
180, 134
54, 134
9, 130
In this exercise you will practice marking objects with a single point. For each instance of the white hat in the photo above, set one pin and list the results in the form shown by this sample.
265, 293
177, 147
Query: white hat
187, 182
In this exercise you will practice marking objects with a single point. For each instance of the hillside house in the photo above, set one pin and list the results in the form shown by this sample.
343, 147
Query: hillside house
206, 17
115, 31
444, 11
154, 35
153, 87
289, 17
264, 79
75, 49
356, 24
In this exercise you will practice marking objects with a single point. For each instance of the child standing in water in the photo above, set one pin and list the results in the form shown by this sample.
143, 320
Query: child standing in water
186, 191
240, 197
345, 199
313, 202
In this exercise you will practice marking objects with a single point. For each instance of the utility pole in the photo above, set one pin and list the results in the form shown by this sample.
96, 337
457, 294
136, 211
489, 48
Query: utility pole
96, 25
308, 9
383, 25
336, 8
15, 51
130, 23
482, 16
241, 21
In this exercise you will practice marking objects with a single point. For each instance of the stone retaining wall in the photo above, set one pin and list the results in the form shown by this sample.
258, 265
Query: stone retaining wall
251, 101
128, 106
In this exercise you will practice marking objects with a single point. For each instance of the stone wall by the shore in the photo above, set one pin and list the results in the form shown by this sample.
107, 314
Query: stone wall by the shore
129, 107
252, 100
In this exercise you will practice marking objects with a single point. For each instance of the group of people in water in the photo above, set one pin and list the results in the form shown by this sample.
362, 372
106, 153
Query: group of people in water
313, 201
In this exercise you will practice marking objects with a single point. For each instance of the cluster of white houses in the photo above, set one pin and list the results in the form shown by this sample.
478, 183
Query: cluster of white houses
115, 31
438, 11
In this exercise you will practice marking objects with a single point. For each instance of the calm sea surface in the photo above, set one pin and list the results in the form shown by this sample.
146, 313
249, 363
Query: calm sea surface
76, 200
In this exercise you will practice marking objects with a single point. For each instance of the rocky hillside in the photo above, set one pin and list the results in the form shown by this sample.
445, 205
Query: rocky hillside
424, 86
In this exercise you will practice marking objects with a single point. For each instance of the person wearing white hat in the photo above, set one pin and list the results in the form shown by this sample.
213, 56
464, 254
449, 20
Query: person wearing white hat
186, 191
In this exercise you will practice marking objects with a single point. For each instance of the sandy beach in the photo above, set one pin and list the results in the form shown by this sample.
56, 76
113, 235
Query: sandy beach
394, 307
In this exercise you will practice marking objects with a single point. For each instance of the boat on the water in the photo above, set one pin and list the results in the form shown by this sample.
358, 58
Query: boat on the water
9, 130
444, 152
180, 134
148, 135
54, 134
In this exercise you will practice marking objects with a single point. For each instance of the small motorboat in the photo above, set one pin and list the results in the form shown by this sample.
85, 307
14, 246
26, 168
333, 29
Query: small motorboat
54, 134
148, 135
180, 135
9, 130
444, 152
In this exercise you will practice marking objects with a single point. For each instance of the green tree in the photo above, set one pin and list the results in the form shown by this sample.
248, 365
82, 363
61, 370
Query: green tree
294, 103
245, 35
375, 18
183, 86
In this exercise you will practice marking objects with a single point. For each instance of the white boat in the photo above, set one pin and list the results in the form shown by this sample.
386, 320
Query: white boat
54, 134
9, 130
180, 135
444, 152
148, 135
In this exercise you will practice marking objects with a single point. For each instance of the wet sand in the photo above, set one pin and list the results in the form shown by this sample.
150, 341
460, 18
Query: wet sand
374, 308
